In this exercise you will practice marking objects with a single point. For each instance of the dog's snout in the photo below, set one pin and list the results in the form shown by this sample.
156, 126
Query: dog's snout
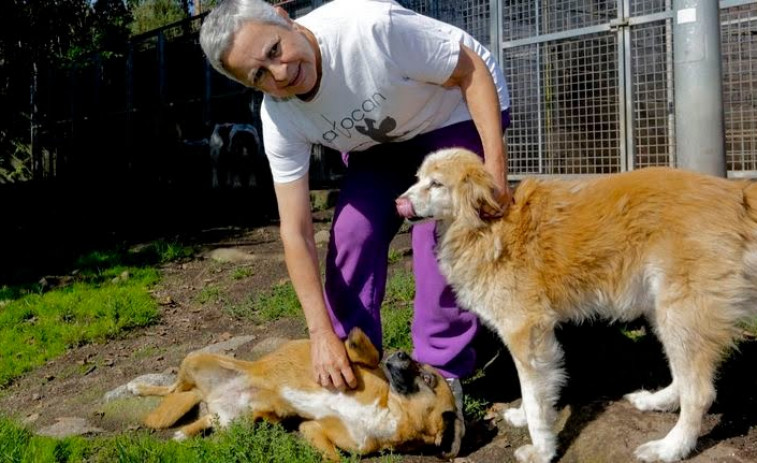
399, 359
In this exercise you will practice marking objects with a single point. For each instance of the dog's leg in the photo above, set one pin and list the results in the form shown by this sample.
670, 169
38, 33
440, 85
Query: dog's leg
205, 422
693, 354
664, 400
538, 359
314, 433
171, 409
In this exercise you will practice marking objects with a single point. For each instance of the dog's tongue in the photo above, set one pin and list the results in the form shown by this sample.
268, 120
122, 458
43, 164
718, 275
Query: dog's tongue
405, 208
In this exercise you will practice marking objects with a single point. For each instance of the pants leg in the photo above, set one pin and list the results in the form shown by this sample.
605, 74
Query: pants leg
441, 330
365, 221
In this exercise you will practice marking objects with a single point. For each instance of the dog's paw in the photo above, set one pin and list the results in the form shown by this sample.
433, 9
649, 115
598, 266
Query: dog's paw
660, 401
180, 436
662, 450
530, 454
515, 417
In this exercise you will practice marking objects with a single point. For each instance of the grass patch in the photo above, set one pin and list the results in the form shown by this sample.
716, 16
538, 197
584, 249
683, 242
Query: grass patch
106, 295
397, 311
243, 441
394, 256
208, 294
38, 327
242, 273
280, 302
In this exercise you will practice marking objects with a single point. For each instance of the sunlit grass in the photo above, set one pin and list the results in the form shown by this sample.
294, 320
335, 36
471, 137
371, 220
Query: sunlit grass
105, 295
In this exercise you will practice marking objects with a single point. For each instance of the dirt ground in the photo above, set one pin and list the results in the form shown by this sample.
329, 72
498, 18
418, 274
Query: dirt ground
597, 425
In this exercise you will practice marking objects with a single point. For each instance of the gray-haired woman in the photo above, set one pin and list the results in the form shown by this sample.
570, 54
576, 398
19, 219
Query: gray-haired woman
385, 86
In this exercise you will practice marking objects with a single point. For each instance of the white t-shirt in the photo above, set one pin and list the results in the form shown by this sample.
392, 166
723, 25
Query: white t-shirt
382, 68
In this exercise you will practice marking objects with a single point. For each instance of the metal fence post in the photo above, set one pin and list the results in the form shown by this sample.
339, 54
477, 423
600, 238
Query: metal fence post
495, 31
700, 137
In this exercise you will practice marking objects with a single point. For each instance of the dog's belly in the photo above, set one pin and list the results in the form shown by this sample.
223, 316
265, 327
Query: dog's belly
363, 421
230, 400
624, 302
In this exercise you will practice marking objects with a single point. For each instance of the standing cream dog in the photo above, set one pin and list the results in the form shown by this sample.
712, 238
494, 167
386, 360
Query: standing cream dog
676, 247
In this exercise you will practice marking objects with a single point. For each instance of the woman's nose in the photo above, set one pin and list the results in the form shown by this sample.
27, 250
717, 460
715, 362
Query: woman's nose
278, 72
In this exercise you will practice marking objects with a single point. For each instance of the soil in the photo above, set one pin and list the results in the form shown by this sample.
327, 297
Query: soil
597, 425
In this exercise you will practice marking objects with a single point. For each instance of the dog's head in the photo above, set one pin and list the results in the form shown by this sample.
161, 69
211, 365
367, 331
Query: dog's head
428, 401
452, 185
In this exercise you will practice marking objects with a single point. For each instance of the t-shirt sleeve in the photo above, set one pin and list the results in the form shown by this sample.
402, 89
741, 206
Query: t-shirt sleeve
424, 49
288, 152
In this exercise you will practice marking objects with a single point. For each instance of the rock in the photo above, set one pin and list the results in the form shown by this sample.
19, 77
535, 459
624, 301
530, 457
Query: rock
266, 346
229, 255
225, 346
69, 426
156, 379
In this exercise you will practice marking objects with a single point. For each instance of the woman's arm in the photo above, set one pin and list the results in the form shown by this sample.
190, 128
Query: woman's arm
476, 83
331, 367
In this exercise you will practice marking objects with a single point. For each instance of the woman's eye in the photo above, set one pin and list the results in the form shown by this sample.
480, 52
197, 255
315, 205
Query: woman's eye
274, 50
258, 76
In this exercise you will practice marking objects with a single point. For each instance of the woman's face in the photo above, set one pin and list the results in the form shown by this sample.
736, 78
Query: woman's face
282, 62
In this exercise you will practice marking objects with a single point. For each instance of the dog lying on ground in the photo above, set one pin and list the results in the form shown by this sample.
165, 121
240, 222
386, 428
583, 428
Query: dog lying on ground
676, 247
400, 405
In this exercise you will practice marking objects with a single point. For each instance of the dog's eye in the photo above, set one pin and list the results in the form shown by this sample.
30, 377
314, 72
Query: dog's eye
435, 184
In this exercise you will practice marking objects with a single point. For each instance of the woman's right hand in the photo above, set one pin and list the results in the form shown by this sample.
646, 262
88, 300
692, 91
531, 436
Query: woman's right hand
331, 366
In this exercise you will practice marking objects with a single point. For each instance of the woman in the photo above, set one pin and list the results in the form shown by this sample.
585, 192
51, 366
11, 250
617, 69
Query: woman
385, 86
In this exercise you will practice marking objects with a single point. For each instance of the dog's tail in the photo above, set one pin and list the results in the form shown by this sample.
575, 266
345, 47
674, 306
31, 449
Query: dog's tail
172, 408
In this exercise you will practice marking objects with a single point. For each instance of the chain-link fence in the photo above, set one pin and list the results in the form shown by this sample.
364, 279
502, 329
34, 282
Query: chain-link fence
593, 91
591, 82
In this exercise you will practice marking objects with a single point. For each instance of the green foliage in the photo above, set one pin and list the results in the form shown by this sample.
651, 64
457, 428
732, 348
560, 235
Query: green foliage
475, 408
16, 165
243, 441
152, 14
208, 294
242, 273
38, 327
280, 302
397, 311
107, 296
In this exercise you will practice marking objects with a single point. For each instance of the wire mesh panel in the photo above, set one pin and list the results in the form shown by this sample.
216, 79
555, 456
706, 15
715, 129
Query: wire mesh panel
739, 49
565, 92
652, 80
526, 18
642, 7
581, 110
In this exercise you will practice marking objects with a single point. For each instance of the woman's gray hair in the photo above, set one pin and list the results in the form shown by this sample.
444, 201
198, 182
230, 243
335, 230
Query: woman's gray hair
219, 27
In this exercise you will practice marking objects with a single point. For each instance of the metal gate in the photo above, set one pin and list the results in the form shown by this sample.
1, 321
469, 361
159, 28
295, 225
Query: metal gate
592, 88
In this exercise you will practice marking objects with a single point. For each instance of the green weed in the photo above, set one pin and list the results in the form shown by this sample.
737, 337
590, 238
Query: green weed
397, 311
242, 273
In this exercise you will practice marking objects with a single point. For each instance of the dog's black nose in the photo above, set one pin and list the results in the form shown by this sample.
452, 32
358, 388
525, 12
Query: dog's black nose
402, 356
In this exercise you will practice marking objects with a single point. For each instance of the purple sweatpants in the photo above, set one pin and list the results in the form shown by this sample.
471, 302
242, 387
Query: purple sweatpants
365, 222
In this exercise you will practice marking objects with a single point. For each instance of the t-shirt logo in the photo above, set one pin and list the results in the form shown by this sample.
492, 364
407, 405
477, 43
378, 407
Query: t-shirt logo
378, 134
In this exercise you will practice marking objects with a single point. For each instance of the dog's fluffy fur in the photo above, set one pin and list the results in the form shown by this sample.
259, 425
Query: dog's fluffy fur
676, 247
400, 405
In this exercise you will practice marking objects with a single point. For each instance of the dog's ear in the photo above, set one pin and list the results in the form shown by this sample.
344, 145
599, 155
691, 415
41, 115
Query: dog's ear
360, 349
475, 191
450, 437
